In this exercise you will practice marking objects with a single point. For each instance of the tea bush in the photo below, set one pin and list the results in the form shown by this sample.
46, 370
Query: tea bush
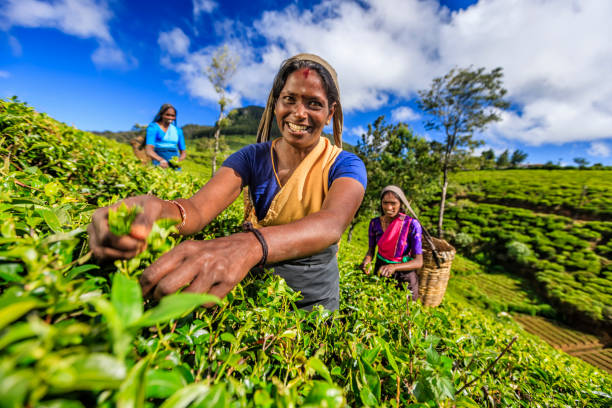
77, 334
586, 193
566, 261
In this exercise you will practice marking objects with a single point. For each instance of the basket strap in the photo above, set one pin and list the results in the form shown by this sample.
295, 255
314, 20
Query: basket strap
427, 236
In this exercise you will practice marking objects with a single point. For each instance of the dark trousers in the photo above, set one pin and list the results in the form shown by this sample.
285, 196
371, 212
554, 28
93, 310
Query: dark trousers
409, 277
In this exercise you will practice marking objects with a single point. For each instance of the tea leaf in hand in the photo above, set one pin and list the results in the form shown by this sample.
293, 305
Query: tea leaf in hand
120, 220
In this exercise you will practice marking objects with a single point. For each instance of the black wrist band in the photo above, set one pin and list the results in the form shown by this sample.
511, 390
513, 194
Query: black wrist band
248, 227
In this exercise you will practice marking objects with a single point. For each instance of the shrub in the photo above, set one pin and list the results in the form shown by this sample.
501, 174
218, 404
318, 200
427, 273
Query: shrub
518, 251
463, 240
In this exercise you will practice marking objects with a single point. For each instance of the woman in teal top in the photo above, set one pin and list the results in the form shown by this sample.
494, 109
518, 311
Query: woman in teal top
164, 139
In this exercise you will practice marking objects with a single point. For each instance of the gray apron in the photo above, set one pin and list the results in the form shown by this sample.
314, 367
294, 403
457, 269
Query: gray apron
316, 276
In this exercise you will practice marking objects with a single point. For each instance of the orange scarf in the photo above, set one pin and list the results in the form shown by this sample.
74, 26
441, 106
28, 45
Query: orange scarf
306, 189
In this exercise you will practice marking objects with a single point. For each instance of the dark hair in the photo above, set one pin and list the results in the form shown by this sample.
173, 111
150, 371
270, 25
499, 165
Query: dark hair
401, 209
163, 110
289, 67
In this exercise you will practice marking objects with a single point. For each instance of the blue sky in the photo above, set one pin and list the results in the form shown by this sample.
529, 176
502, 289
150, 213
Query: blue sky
110, 64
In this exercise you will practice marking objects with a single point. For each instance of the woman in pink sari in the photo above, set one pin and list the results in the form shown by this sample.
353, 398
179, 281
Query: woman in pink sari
399, 241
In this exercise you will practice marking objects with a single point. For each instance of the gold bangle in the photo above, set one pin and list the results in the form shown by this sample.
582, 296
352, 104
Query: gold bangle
183, 214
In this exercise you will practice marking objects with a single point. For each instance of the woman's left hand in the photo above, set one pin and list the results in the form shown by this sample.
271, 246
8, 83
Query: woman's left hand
202, 266
387, 270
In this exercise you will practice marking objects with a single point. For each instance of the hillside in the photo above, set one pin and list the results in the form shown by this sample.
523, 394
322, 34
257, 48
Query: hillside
511, 222
75, 333
241, 130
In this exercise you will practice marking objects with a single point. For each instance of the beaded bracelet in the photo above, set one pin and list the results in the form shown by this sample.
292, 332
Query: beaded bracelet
183, 214
248, 227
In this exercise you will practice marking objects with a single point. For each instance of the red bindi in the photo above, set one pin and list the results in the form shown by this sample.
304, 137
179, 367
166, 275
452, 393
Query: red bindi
306, 72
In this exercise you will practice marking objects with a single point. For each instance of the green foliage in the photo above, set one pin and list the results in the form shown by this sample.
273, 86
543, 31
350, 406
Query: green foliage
562, 259
77, 334
120, 219
581, 162
500, 292
464, 241
487, 159
580, 194
519, 252
219, 72
503, 160
461, 102
518, 156
393, 154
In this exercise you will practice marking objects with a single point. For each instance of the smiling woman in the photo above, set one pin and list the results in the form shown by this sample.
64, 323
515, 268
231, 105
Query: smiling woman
399, 241
302, 193
164, 139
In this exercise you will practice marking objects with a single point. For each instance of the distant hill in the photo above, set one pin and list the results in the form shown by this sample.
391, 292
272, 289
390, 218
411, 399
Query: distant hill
242, 121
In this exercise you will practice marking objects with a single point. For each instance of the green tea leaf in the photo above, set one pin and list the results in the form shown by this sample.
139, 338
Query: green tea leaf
162, 384
9, 272
228, 337
389, 356
324, 394
320, 368
60, 403
173, 307
369, 379
51, 220
132, 391
18, 331
432, 356
120, 219
126, 297
95, 371
14, 388
367, 397
76, 271
14, 311
186, 396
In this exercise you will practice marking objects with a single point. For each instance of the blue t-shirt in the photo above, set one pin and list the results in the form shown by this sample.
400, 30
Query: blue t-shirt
171, 139
254, 165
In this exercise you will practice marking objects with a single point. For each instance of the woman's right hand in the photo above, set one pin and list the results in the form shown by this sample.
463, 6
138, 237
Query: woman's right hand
106, 245
366, 265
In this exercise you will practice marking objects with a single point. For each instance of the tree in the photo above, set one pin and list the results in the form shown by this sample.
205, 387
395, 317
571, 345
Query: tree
463, 101
487, 159
393, 154
219, 73
503, 160
488, 154
518, 156
581, 162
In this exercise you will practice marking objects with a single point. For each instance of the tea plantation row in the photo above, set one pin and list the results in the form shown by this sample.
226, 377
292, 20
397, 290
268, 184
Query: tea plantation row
77, 334
582, 193
569, 262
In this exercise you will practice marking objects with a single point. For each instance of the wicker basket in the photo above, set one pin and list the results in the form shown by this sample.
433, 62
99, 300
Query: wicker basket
433, 278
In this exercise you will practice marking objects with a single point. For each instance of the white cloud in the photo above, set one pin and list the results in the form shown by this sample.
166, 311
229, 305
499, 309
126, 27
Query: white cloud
599, 149
555, 57
203, 6
174, 42
191, 68
80, 18
109, 56
4, 74
357, 131
404, 114
15, 46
